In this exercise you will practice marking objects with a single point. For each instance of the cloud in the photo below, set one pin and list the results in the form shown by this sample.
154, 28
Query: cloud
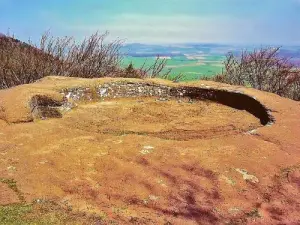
172, 29
214, 21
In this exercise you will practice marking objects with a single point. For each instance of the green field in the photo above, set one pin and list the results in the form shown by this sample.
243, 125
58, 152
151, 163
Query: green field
192, 69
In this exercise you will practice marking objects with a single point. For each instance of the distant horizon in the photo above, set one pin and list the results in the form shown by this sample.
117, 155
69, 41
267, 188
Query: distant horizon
211, 43
178, 43
194, 59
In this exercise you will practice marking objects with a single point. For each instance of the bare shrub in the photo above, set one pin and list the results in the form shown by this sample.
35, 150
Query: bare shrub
22, 63
262, 69
90, 58
19, 62
294, 90
130, 71
159, 70
155, 70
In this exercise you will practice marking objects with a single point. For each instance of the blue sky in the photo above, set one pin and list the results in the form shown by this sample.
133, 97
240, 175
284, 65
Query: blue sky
158, 21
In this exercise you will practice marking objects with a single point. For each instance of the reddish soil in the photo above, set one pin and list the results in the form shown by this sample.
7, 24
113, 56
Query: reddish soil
143, 161
7, 195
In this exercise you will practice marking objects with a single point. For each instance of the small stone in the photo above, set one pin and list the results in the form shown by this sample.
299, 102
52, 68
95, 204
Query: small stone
252, 132
161, 182
147, 150
68, 95
43, 162
234, 210
153, 198
103, 91
11, 168
163, 99
247, 176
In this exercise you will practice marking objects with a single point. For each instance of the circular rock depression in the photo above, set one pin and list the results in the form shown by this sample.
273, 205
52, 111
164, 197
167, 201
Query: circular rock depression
168, 119
144, 109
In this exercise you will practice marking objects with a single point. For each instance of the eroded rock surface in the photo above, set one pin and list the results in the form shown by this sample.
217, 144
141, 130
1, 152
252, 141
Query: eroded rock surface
153, 152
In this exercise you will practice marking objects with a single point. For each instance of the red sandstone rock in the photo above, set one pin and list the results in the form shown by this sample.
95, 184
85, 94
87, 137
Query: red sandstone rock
94, 157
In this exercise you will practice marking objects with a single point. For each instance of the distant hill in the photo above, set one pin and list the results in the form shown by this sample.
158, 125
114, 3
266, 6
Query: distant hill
6, 42
22, 63
173, 50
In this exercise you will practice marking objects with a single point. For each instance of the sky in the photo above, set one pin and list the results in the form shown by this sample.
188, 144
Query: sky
158, 21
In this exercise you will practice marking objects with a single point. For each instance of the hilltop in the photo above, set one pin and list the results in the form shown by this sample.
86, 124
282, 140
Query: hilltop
148, 151
9, 42
23, 62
